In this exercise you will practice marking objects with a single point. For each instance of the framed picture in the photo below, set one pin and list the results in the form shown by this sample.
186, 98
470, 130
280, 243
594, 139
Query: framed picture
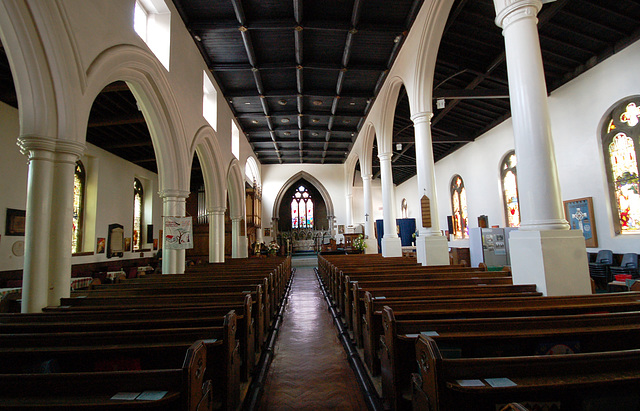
127, 244
340, 229
15, 222
267, 232
155, 243
579, 214
100, 246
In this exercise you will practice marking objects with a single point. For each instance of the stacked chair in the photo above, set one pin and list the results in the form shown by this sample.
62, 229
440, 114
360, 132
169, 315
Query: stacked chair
628, 265
600, 269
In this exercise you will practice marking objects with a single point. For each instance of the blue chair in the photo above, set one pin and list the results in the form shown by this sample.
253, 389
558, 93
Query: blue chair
600, 269
629, 265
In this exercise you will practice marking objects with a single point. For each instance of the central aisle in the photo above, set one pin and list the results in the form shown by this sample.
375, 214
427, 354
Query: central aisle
310, 370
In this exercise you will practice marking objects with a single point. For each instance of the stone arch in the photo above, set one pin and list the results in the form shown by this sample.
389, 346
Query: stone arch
311, 179
205, 145
366, 150
235, 189
252, 164
144, 76
30, 70
390, 98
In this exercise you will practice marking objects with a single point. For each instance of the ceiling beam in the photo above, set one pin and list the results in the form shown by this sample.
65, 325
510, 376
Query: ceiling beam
290, 66
226, 26
294, 94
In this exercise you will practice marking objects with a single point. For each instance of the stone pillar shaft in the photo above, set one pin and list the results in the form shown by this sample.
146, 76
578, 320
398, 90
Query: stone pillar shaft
173, 205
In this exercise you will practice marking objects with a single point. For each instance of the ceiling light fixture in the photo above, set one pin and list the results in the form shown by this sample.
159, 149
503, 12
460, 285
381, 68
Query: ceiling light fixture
399, 146
440, 103
282, 102
314, 120
287, 133
284, 120
254, 121
317, 102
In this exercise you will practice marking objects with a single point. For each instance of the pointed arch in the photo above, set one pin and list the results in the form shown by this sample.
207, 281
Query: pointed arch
312, 180
205, 145
251, 165
145, 76
390, 97
366, 150
235, 188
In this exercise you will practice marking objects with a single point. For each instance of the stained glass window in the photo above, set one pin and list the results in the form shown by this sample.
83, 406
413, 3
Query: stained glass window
509, 179
138, 202
620, 142
301, 209
459, 206
79, 179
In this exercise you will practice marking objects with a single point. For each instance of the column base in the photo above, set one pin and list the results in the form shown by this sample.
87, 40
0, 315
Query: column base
372, 246
555, 260
432, 250
391, 247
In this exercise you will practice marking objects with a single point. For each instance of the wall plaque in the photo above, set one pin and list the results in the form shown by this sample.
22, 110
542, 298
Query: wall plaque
425, 205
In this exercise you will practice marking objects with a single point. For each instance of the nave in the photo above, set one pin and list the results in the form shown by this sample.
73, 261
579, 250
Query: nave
310, 370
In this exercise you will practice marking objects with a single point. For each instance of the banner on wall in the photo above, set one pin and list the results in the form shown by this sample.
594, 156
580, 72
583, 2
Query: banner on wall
178, 233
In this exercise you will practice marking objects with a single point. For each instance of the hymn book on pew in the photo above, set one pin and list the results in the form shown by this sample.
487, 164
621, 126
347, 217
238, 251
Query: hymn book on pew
140, 396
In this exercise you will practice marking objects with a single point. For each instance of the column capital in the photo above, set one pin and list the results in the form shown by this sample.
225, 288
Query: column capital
509, 11
31, 143
172, 194
385, 156
215, 210
367, 177
422, 117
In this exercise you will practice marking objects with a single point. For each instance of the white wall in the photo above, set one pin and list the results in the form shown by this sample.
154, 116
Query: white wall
577, 110
109, 195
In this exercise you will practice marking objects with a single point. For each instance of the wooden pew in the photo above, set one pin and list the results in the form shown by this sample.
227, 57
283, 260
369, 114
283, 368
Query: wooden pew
109, 304
499, 336
602, 380
413, 293
372, 327
186, 386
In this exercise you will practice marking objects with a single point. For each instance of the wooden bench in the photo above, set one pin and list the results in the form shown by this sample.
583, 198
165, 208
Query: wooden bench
372, 327
128, 349
439, 293
499, 336
602, 380
186, 388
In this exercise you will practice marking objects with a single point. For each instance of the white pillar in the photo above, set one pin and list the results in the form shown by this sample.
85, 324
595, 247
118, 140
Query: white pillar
216, 235
391, 245
370, 238
61, 215
349, 209
236, 242
35, 277
431, 247
173, 205
543, 251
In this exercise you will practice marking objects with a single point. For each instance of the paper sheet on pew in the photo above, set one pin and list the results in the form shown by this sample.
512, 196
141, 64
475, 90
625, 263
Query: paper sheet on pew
500, 382
470, 383
140, 396
425, 333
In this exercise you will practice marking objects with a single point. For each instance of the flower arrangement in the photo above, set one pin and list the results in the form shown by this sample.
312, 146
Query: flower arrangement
273, 247
358, 243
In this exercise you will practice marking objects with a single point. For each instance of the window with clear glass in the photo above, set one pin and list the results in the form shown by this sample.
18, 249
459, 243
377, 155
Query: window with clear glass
301, 209
152, 22
138, 203
459, 206
509, 178
620, 138
79, 180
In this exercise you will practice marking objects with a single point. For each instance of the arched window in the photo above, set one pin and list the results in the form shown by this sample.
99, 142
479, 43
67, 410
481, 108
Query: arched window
301, 209
79, 180
459, 207
621, 131
509, 179
138, 203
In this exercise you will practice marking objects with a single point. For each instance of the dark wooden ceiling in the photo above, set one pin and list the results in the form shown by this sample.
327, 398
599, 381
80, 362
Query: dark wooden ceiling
301, 75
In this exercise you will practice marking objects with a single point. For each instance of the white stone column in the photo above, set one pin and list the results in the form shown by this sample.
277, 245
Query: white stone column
173, 205
216, 235
391, 244
236, 241
35, 279
431, 247
64, 164
349, 198
370, 238
543, 250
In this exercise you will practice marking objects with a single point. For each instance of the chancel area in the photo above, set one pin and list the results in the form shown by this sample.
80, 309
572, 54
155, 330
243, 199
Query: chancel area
198, 194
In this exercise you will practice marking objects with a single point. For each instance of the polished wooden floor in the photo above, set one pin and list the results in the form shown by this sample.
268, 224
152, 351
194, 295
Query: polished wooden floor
310, 370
